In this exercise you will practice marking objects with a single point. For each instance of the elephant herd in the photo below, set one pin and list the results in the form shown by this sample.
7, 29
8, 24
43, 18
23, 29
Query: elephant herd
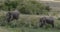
11, 15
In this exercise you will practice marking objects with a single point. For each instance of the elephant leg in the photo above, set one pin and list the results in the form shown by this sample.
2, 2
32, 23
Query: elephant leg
11, 18
41, 25
53, 25
8, 20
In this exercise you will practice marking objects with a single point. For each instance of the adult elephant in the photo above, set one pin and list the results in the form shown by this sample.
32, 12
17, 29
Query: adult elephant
46, 20
11, 15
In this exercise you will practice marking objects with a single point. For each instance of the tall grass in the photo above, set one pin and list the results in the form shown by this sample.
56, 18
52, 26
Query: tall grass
31, 21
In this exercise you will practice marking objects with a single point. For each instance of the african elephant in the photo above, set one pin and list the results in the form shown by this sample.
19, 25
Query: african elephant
46, 20
11, 15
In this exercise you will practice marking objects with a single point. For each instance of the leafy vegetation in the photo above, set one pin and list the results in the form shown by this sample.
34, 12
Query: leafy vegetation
25, 6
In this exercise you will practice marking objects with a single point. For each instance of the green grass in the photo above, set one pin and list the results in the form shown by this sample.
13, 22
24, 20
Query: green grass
27, 20
25, 29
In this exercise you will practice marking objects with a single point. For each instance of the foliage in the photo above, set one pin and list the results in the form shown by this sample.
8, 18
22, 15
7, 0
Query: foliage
59, 18
25, 6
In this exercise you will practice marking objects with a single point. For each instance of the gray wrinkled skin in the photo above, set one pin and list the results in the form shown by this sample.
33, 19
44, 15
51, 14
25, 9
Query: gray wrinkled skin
46, 20
11, 15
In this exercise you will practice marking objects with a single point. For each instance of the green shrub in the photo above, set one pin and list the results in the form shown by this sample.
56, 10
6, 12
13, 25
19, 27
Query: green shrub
25, 6
58, 18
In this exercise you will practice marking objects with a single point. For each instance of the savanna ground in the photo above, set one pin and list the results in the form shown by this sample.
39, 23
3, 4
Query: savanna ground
28, 23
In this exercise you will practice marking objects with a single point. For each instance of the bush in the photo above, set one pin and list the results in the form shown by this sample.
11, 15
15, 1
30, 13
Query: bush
26, 6
58, 18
